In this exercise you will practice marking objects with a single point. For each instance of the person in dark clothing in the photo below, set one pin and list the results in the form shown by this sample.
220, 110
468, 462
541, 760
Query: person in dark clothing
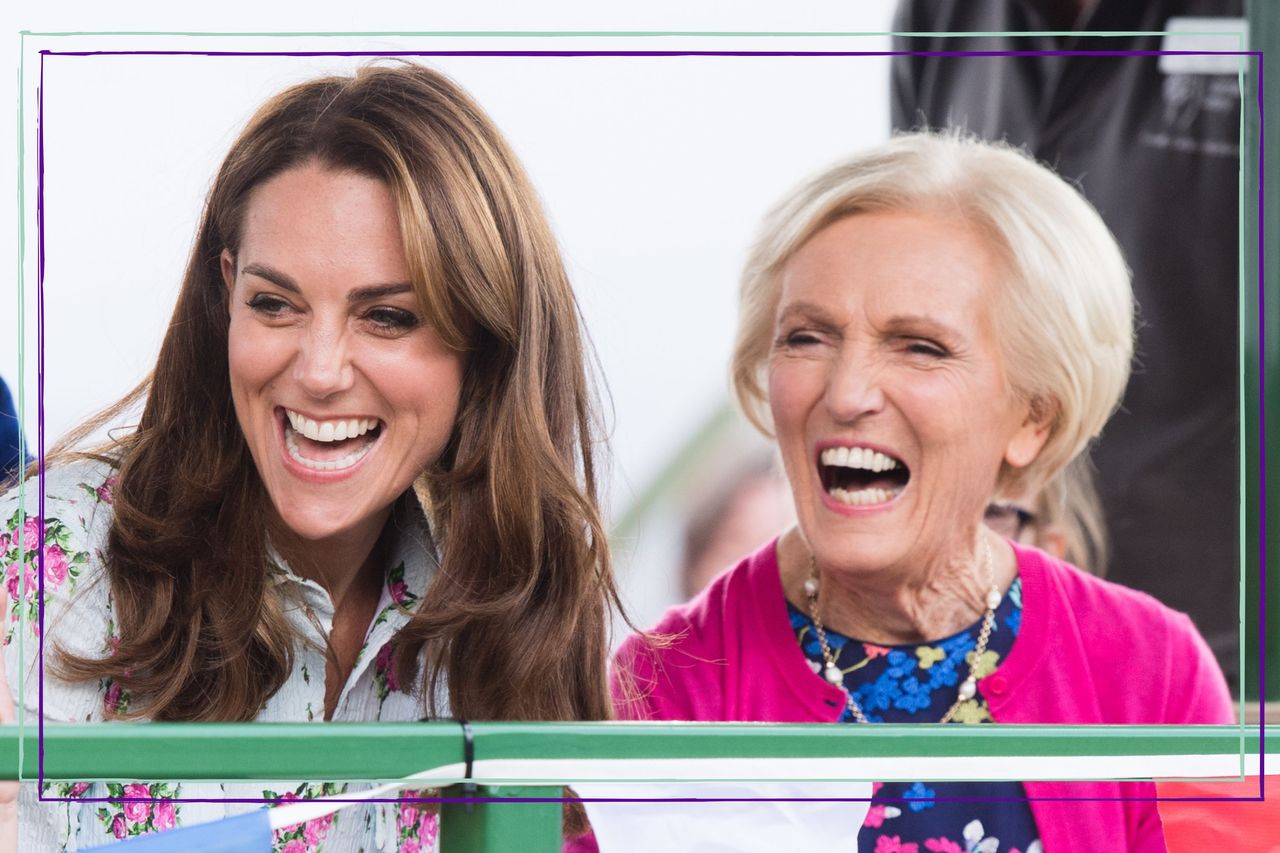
11, 456
1153, 142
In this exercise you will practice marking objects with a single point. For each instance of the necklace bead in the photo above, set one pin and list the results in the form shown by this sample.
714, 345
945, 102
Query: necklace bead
833, 674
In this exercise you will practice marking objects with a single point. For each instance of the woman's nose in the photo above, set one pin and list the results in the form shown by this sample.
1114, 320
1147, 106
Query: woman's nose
323, 365
855, 388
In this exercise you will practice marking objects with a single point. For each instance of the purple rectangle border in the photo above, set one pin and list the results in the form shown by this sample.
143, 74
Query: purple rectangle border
1262, 446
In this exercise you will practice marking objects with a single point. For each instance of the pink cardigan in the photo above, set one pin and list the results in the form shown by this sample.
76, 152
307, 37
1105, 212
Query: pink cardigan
1088, 651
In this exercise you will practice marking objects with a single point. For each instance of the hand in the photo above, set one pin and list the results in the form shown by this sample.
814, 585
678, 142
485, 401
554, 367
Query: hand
8, 790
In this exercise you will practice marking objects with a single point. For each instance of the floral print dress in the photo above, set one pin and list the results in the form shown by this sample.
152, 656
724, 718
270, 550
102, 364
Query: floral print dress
78, 614
917, 684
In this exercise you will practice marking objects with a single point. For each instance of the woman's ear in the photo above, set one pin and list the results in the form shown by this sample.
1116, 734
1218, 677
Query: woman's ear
1029, 440
228, 271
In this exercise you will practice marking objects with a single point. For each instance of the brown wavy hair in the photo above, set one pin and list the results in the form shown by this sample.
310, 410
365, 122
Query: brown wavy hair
513, 625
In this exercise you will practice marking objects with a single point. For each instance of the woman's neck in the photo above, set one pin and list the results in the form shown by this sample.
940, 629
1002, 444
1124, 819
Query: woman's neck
894, 607
342, 564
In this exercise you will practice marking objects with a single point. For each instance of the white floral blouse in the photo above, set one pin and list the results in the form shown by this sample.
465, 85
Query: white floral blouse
78, 613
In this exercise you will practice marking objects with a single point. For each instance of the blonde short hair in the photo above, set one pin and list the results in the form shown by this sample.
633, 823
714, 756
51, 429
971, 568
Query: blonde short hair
1065, 311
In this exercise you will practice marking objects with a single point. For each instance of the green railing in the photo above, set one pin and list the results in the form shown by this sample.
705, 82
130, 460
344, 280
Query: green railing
383, 752
388, 751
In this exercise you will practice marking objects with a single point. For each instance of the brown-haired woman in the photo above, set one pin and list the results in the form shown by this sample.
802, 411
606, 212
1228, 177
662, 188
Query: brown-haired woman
362, 486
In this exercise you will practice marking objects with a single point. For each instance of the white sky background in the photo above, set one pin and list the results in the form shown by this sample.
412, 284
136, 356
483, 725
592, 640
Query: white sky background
654, 171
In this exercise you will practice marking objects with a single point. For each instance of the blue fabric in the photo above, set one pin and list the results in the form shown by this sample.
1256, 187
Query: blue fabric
10, 429
917, 683
246, 833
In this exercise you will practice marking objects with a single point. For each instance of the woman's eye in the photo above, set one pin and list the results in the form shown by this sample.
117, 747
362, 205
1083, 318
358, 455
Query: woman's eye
917, 347
389, 320
798, 340
268, 305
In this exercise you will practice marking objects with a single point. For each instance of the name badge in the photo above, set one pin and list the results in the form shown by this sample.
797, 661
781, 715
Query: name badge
1204, 34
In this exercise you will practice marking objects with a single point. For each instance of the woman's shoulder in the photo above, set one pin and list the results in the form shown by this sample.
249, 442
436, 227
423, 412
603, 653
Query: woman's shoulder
673, 670
76, 489
56, 543
60, 519
1093, 601
1149, 641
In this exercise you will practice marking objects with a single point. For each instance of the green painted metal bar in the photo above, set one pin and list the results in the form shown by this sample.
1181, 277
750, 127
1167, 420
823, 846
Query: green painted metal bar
377, 751
489, 827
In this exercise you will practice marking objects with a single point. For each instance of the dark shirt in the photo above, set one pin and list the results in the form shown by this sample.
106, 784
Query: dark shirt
1158, 155
10, 429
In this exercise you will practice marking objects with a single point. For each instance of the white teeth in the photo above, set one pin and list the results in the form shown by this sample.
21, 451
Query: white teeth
338, 430
863, 458
291, 443
864, 497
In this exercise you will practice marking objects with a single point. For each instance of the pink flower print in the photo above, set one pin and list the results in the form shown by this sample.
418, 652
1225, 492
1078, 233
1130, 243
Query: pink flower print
55, 566
5, 542
875, 817
11, 583
314, 831
408, 816
428, 827
399, 590
137, 812
384, 666
893, 844
78, 789
31, 534
944, 845
294, 846
410, 845
873, 651
104, 491
166, 817
118, 829
111, 700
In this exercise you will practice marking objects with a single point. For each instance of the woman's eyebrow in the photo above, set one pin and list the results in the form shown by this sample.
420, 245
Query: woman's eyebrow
806, 310
921, 324
377, 291
279, 279
360, 294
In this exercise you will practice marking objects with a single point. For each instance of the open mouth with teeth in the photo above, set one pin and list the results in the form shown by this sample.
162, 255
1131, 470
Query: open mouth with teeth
329, 445
860, 476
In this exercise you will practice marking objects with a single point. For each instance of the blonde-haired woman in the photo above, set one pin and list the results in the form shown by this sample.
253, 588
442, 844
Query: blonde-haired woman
929, 326
362, 487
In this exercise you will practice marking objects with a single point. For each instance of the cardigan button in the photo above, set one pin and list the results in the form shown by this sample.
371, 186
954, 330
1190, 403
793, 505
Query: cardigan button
995, 685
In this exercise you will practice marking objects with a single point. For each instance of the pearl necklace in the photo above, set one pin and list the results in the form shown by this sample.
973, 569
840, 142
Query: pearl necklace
968, 687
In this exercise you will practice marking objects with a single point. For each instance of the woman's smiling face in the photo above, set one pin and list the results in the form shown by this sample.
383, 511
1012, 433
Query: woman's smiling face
341, 386
888, 391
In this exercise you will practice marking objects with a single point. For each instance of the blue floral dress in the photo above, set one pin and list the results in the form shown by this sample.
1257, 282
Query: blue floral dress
917, 684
